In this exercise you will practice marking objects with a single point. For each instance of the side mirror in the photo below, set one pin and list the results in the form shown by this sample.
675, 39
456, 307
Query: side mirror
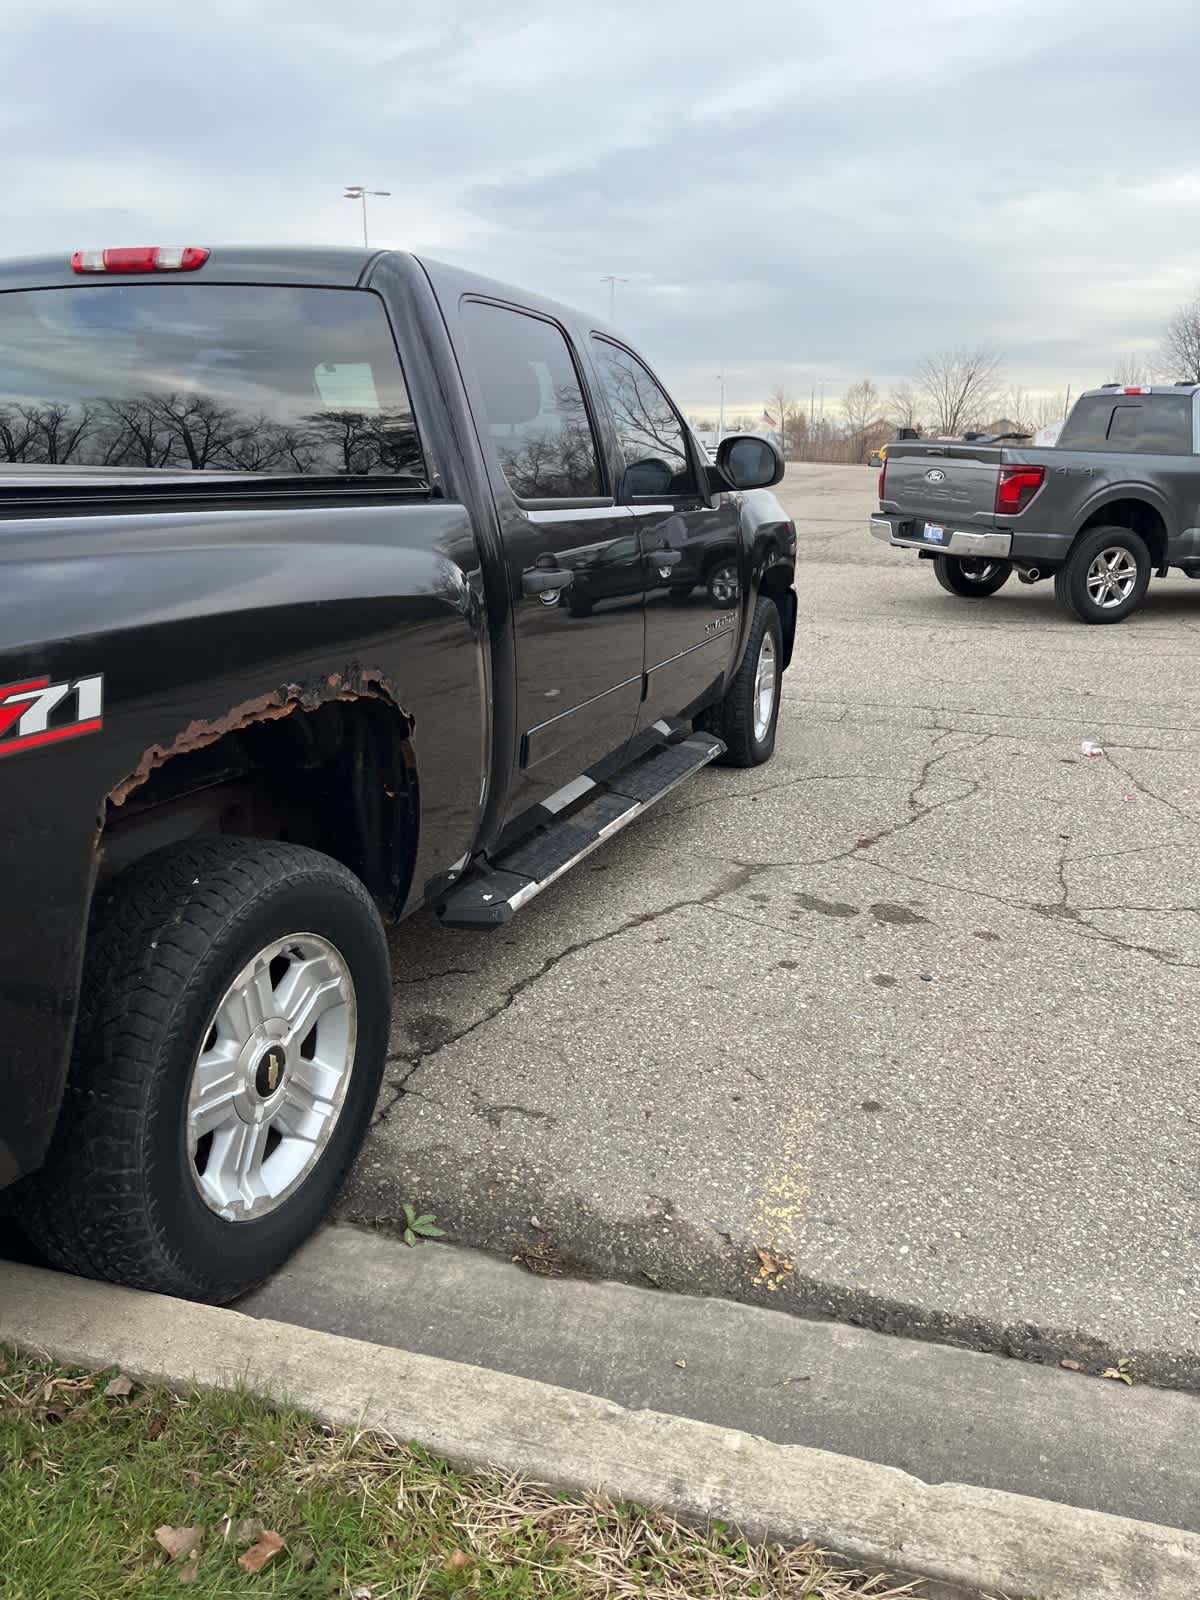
750, 462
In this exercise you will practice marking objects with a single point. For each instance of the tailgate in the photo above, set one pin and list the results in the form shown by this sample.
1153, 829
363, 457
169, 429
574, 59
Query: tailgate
952, 487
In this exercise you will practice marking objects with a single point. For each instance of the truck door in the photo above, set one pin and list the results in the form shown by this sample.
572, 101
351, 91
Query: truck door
692, 549
573, 558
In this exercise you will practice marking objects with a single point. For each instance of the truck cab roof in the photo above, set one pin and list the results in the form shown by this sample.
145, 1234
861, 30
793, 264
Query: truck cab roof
331, 266
1140, 388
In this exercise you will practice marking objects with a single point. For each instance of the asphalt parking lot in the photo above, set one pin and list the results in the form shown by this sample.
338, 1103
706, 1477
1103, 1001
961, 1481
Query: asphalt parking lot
912, 1009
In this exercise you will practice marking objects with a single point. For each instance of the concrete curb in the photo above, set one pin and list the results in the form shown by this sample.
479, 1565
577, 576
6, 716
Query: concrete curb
959, 1539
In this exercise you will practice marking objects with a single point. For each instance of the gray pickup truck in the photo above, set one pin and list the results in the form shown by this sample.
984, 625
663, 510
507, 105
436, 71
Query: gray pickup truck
1115, 501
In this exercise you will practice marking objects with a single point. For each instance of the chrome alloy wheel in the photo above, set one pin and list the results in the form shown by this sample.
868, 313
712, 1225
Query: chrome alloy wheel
766, 686
1111, 577
271, 1076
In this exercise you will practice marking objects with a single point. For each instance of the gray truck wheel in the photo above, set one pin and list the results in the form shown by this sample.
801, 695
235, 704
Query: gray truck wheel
1106, 575
747, 717
973, 577
232, 1032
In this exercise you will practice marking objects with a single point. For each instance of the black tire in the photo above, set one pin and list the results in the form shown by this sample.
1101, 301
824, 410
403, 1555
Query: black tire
733, 719
118, 1196
974, 578
1071, 580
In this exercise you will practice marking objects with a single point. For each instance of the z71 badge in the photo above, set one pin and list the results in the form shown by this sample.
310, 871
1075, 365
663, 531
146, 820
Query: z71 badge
38, 712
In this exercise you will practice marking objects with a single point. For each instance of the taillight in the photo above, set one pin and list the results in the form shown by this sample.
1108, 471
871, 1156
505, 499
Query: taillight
1136, 389
882, 480
143, 258
1016, 487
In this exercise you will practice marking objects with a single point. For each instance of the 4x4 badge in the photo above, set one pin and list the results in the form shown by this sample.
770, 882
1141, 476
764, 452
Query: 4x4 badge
32, 713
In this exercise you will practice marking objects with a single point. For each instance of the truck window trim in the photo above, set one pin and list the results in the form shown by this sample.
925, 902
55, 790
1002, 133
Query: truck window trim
541, 502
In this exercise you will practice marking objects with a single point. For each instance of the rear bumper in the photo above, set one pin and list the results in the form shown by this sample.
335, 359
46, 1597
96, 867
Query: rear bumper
1038, 549
959, 543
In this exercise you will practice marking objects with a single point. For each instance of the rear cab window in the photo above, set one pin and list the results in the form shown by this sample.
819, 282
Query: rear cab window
1148, 424
252, 378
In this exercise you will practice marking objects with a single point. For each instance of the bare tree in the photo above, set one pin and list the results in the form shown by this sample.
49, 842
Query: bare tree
795, 434
1022, 409
1179, 354
791, 424
1051, 408
861, 405
962, 386
1132, 370
779, 403
903, 406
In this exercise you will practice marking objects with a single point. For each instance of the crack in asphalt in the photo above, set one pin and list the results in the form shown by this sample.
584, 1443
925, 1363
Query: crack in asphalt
933, 712
1073, 918
744, 872
773, 788
730, 884
1149, 793
433, 977
918, 811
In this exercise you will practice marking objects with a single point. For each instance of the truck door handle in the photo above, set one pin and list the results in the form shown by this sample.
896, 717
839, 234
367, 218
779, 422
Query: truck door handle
540, 580
665, 557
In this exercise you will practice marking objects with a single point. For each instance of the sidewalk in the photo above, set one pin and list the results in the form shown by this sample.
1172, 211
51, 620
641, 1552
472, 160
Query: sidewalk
942, 1414
960, 1540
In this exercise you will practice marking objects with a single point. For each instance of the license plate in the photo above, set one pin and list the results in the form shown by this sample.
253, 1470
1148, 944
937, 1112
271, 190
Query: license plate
935, 533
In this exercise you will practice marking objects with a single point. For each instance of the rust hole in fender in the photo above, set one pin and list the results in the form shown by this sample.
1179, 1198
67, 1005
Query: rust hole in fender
355, 683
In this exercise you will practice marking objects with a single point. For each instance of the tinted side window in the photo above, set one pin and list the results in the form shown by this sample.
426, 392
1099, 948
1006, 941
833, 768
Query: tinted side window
1160, 424
201, 375
1124, 428
650, 433
1087, 426
533, 404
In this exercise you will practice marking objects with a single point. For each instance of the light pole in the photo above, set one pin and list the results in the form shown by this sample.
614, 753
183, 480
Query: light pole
721, 412
355, 191
611, 279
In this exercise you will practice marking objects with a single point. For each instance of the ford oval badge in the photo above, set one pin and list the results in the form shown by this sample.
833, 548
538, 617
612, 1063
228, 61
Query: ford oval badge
935, 475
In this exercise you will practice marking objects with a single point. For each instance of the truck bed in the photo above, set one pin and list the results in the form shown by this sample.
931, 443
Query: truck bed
950, 484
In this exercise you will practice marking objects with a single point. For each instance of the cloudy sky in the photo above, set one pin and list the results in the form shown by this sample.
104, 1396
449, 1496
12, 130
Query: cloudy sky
796, 192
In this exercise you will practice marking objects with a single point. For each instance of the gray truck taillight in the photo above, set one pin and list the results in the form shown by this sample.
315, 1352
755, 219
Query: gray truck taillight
1016, 487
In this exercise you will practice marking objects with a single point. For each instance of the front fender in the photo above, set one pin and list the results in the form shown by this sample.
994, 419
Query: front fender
769, 539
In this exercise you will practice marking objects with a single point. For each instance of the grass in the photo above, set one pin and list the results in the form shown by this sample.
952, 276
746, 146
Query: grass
87, 1478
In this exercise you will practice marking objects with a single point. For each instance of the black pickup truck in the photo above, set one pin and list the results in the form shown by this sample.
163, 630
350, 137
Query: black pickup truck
288, 648
1116, 500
